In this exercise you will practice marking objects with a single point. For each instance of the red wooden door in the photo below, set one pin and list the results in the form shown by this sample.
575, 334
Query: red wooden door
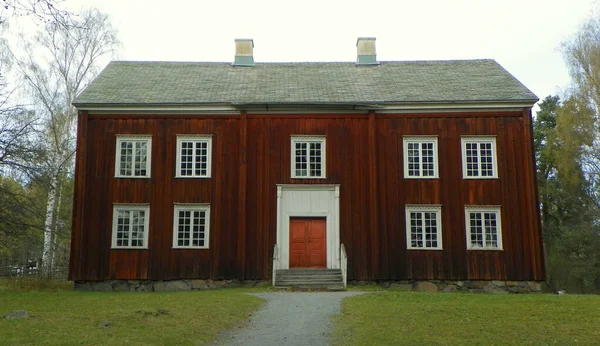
307, 243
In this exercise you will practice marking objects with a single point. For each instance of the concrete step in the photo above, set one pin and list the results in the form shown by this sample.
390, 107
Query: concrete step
323, 279
330, 279
310, 278
309, 271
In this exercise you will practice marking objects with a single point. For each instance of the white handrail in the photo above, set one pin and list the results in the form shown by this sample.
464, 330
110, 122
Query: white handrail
275, 262
343, 263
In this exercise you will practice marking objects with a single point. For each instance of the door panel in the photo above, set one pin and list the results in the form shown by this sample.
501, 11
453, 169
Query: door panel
298, 242
308, 247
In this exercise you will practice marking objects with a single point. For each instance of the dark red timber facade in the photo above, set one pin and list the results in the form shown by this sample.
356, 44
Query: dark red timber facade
387, 171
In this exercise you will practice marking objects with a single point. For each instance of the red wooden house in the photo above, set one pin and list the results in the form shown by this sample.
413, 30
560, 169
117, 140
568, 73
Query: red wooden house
400, 171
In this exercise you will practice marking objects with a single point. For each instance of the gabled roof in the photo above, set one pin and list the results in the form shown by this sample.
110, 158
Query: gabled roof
132, 83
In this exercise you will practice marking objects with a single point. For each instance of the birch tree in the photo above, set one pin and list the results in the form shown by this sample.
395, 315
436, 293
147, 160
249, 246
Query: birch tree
56, 66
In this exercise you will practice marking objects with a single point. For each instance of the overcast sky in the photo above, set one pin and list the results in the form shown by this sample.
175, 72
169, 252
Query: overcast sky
524, 36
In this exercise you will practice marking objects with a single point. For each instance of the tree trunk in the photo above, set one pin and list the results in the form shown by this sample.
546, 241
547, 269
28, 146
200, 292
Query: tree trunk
48, 226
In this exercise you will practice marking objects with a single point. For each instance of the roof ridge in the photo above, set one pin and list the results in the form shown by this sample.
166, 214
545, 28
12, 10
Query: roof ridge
295, 62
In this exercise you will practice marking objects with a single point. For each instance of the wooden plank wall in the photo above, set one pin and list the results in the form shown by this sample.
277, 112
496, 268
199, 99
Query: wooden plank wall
251, 155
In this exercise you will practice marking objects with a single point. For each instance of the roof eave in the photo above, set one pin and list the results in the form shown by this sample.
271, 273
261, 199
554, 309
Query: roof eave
235, 108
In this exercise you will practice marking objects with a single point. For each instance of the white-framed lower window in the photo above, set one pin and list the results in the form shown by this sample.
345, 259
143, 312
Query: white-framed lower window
133, 156
130, 226
194, 156
420, 157
191, 226
308, 157
423, 227
479, 157
484, 227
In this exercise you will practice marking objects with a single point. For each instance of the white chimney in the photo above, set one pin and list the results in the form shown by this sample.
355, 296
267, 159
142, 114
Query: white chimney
366, 53
244, 52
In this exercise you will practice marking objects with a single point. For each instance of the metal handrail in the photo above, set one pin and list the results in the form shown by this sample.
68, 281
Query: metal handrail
275, 262
343, 263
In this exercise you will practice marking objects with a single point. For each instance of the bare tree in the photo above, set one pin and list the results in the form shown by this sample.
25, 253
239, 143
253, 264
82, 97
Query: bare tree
16, 123
72, 58
39, 10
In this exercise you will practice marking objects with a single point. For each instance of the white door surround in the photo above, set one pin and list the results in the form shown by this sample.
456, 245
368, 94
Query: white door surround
308, 201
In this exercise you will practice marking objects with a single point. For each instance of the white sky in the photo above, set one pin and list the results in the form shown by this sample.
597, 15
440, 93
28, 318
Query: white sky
522, 35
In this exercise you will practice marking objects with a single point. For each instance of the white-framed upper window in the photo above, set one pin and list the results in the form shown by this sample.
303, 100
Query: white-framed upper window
308, 157
191, 226
130, 226
194, 156
420, 157
133, 156
479, 157
424, 227
484, 228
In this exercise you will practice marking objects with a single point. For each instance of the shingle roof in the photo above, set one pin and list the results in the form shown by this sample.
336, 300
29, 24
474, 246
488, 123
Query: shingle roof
197, 83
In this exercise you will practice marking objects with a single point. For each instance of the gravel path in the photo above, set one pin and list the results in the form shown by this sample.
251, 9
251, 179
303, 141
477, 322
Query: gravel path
289, 318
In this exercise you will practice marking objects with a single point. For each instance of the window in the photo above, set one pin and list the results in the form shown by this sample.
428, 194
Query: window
193, 156
308, 157
133, 157
130, 226
479, 157
423, 227
191, 226
484, 231
420, 157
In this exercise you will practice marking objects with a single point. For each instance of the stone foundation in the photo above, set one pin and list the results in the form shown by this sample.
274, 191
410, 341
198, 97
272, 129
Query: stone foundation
162, 286
475, 286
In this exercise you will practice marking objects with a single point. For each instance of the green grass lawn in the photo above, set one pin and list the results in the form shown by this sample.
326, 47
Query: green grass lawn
63, 317
410, 318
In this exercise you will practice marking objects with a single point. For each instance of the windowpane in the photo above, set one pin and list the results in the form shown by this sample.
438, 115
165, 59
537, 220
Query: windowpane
194, 157
423, 228
308, 158
192, 227
479, 158
484, 229
130, 227
420, 160
133, 157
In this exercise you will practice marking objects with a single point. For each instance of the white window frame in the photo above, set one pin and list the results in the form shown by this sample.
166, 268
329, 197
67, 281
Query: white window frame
418, 208
130, 207
194, 138
133, 138
479, 140
421, 140
484, 209
191, 207
308, 139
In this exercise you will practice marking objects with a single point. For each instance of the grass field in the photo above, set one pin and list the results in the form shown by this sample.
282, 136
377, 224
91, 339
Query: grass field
58, 316
410, 318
